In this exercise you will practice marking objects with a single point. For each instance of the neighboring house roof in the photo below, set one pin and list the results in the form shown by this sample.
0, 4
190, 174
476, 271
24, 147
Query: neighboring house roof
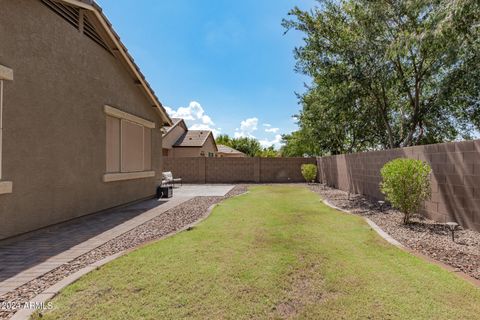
176, 122
119, 50
226, 149
193, 138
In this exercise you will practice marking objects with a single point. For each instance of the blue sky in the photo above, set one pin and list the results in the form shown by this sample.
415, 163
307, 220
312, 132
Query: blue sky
221, 64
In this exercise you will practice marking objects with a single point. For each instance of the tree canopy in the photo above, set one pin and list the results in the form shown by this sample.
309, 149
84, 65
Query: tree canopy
386, 74
249, 146
299, 144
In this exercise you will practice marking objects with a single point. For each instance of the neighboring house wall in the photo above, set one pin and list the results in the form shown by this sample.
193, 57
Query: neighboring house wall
455, 177
207, 149
54, 122
237, 170
172, 137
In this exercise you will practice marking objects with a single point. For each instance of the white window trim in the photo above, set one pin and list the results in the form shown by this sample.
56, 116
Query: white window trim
6, 74
114, 112
112, 177
122, 176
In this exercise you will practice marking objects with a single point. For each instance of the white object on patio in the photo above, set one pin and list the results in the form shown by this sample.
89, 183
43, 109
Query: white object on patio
167, 178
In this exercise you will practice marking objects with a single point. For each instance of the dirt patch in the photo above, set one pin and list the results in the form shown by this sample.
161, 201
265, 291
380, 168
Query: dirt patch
305, 289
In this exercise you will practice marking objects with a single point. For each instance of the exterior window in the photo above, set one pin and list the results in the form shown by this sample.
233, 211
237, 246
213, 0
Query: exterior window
128, 146
6, 74
202, 153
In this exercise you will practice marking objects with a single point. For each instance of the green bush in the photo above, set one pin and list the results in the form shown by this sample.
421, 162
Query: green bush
309, 172
406, 185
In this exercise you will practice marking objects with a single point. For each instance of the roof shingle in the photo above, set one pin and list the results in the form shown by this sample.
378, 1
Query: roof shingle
193, 138
226, 149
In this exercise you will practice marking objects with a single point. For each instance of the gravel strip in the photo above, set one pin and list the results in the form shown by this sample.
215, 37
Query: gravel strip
164, 224
423, 235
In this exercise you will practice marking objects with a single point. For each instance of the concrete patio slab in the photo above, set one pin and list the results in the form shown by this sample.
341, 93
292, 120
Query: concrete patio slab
204, 190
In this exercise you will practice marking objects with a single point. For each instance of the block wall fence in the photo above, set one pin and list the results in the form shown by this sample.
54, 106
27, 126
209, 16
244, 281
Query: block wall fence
455, 177
237, 170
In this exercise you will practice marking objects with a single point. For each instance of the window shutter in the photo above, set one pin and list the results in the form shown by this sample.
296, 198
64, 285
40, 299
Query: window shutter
113, 144
132, 146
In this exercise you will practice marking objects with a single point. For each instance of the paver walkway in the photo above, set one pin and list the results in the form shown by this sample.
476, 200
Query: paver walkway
32, 255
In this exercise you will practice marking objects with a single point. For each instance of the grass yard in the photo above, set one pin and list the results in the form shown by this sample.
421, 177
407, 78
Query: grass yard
276, 252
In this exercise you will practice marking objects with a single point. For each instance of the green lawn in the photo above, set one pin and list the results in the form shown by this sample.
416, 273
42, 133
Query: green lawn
276, 252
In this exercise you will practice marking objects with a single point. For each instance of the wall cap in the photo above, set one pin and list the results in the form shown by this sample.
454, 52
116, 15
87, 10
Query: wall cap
114, 112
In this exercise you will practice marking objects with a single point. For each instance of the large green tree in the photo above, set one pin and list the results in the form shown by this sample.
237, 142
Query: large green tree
388, 73
299, 144
223, 139
249, 146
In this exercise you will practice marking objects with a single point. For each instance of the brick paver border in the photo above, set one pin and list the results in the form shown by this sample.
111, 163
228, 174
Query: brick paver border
37, 270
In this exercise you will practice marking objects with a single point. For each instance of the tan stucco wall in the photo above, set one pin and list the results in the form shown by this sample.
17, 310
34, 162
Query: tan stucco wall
183, 152
172, 137
54, 124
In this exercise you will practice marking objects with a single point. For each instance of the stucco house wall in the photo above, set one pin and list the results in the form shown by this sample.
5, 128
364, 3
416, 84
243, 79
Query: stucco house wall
172, 137
54, 124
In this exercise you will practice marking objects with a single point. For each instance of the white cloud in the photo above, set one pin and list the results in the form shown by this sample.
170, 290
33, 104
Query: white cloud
194, 111
267, 125
201, 126
275, 142
272, 130
247, 128
169, 110
207, 120
195, 116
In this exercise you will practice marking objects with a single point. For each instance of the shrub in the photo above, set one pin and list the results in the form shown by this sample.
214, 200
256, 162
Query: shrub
406, 184
309, 172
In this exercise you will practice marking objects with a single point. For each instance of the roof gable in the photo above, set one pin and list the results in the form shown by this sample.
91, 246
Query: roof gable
118, 49
176, 122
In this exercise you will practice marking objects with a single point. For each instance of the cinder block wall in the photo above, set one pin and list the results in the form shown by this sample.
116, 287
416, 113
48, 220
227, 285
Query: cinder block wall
228, 170
237, 170
455, 177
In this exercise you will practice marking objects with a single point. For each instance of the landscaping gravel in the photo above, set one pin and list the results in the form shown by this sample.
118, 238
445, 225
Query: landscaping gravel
428, 237
166, 223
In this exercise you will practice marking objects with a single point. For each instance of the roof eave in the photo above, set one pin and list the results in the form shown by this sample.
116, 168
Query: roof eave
173, 126
97, 10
